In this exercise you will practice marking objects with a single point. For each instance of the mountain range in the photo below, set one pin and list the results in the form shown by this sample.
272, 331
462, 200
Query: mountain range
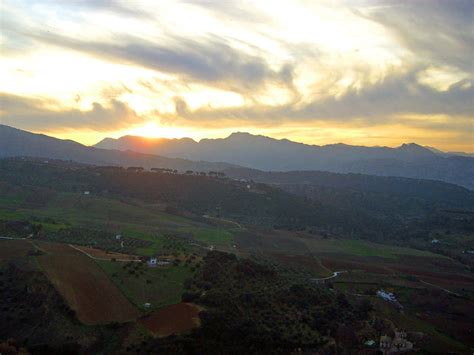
248, 151
19, 143
269, 154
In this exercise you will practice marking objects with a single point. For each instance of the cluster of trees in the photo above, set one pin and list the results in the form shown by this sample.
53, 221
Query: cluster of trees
28, 302
252, 308
139, 169
164, 170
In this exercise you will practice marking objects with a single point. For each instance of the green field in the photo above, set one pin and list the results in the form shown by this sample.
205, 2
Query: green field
78, 209
164, 232
159, 286
363, 248
213, 236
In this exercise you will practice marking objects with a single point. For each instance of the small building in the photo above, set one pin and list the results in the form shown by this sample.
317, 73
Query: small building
435, 241
118, 237
387, 296
152, 262
147, 305
370, 343
400, 341
385, 342
87, 192
397, 345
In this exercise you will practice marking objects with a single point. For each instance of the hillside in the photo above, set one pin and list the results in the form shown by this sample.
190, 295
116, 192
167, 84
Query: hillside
19, 143
355, 211
436, 192
246, 257
264, 153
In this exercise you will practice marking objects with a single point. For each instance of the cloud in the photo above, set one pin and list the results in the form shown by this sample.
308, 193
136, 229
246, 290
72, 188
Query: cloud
210, 60
36, 114
414, 60
436, 31
396, 95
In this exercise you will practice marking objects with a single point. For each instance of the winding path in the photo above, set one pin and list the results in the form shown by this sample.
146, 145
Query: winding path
334, 274
225, 220
12, 238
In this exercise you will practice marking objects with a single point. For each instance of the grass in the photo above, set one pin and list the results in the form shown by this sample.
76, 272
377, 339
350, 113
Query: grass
363, 248
211, 236
214, 237
66, 210
159, 286
9, 214
157, 240
81, 210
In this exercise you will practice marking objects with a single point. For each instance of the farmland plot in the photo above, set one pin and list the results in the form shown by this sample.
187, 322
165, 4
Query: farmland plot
84, 286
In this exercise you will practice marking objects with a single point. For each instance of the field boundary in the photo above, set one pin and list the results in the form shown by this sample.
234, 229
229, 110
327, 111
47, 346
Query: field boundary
102, 259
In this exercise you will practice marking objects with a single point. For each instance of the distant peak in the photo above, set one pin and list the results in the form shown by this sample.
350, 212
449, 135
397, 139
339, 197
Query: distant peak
240, 134
411, 145
416, 149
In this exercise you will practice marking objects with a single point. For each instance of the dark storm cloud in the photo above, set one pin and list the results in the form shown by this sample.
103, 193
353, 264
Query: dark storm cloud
32, 113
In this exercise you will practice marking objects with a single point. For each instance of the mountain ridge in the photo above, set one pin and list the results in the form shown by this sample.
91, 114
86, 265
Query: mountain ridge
15, 143
270, 154
263, 153
240, 134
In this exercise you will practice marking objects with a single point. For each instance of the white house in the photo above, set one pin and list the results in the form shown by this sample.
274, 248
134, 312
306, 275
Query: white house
370, 342
152, 262
387, 296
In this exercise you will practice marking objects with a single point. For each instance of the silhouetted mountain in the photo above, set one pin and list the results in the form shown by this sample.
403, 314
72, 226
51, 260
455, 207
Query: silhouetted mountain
450, 154
259, 152
17, 143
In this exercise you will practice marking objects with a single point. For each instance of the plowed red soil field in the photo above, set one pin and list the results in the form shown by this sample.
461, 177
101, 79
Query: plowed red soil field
174, 319
84, 286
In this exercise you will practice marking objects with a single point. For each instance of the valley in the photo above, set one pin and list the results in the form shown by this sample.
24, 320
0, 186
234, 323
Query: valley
94, 250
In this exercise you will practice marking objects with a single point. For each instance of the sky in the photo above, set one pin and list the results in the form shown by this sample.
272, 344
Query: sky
359, 72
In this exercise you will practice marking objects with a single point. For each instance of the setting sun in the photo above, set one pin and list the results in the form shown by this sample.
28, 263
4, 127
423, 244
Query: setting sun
154, 130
